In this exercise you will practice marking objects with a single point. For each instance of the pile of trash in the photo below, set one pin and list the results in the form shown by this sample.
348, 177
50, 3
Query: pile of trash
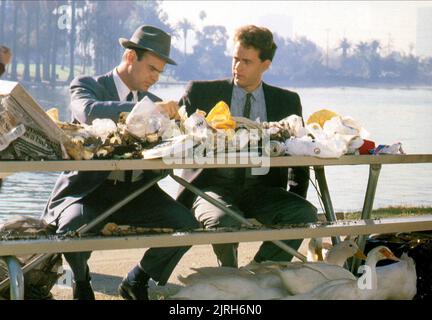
325, 135
147, 133
141, 129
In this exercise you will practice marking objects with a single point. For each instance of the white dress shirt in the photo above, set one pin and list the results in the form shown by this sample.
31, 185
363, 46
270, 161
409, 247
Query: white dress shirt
123, 91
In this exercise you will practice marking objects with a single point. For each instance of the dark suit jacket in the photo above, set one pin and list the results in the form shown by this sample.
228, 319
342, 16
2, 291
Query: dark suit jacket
91, 98
2, 68
280, 103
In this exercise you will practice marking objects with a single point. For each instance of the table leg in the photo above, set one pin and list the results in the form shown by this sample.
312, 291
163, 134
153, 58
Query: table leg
374, 172
325, 196
17, 277
120, 204
234, 215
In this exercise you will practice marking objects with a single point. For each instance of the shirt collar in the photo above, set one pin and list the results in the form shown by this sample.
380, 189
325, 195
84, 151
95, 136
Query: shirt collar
241, 93
122, 88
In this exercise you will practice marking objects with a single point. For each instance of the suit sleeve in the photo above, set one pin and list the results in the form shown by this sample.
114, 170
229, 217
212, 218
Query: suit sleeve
86, 104
298, 177
2, 68
188, 99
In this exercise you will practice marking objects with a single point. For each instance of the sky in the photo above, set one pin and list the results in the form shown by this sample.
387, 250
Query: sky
324, 22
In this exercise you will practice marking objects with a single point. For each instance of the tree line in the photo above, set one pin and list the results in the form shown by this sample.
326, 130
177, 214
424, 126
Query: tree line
55, 40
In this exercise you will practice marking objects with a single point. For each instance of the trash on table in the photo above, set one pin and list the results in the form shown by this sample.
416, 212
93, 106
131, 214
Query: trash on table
321, 117
219, 117
367, 147
145, 121
395, 148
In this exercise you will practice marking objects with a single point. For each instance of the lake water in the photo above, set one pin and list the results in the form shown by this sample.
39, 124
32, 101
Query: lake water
390, 115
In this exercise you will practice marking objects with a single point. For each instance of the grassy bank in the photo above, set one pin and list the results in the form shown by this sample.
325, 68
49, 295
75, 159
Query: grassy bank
389, 212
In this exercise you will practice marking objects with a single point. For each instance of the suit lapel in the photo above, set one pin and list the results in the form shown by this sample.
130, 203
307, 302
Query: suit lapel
226, 91
110, 86
271, 104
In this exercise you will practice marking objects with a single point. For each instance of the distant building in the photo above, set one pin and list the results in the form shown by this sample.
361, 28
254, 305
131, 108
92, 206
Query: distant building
424, 32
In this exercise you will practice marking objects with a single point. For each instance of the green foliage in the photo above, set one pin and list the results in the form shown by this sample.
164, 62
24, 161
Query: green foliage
391, 212
48, 44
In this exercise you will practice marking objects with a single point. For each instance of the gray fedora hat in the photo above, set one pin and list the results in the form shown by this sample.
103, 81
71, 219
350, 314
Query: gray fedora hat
152, 39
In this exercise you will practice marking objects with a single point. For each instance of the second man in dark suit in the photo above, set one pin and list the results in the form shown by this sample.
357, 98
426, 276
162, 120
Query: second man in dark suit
263, 197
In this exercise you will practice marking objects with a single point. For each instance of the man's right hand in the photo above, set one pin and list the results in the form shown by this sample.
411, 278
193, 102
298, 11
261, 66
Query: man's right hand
5, 55
170, 108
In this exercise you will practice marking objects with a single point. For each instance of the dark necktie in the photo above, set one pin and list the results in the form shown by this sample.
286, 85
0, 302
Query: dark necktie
241, 172
130, 96
247, 106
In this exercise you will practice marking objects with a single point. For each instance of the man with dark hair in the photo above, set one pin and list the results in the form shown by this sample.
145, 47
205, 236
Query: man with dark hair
79, 197
5, 58
263, 197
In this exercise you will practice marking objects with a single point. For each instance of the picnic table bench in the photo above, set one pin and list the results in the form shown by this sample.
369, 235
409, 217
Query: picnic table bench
11, 248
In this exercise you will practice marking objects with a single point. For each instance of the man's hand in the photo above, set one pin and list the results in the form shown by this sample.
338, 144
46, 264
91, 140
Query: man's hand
5, 55
170, 108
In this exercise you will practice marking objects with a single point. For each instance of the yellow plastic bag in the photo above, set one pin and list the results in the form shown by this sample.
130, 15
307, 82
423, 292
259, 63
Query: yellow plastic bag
321, 117
219, 117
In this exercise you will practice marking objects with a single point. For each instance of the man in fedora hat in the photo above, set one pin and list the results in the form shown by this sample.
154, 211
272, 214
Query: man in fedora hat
79, 197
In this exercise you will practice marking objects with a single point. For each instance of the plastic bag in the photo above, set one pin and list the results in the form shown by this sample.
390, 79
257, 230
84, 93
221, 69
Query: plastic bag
102, 128
322, 148
346, 126
145, 118
321, 117
196, 125
219, 117
395, 148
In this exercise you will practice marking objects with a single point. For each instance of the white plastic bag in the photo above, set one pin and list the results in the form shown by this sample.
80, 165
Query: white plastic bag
101, 128
145, 118
306, 146
197, 126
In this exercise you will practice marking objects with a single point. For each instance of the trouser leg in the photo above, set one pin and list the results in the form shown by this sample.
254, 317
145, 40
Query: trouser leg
212, 217
276, 206
70, 220
155, 208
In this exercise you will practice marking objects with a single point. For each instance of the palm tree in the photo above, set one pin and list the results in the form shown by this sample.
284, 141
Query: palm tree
14, 41
374, 45
28, 13
37, 77
2, 20
185, 25
202, 15
72, 42
345, 45
362, 49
